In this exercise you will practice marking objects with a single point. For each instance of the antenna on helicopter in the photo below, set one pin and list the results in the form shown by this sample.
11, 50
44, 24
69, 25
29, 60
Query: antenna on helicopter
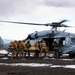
64, 30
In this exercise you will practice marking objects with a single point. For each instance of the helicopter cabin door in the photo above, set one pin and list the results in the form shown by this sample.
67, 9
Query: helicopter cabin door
49, 42
60, 42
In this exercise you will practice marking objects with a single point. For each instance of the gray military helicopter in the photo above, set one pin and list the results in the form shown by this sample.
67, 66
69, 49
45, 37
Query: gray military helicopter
65, 41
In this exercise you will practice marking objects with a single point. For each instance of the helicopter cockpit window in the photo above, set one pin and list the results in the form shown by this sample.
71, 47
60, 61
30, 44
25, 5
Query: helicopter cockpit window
67, 41
62, 41
73, 40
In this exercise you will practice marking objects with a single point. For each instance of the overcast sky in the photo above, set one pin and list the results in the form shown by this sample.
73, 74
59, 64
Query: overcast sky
35, 11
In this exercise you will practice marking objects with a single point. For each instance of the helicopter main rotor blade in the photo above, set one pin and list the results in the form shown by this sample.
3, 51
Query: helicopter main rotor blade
53, 24
62, 21
25, 23
63, 25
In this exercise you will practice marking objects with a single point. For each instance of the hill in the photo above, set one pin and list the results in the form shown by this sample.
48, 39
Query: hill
7, 40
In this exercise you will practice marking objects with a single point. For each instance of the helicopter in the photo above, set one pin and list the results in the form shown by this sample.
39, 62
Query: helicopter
66, 39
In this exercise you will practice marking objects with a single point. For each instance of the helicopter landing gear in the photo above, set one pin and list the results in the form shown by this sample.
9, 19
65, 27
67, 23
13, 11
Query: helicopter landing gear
71, 55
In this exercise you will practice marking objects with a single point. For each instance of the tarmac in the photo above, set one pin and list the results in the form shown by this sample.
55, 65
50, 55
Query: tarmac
30, 66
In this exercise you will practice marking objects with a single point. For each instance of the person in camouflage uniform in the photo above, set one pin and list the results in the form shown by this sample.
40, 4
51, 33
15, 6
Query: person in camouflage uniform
43, 48
12, 48
36, 45
28, 45
21, 48
17, 51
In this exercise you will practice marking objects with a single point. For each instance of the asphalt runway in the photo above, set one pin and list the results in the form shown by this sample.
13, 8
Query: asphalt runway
54, 66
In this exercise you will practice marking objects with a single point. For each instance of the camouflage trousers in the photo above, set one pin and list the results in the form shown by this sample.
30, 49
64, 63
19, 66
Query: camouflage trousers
43, 50
21, 53
13, 54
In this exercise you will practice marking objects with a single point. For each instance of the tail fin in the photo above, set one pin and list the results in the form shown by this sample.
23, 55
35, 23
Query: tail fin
1, 42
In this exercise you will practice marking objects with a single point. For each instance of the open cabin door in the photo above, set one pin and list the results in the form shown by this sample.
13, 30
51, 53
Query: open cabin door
49, 41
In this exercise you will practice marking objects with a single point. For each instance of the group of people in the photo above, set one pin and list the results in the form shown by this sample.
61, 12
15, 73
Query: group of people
17, 48
20, 49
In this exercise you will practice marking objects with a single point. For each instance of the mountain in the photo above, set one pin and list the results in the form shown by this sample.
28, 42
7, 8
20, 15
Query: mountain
7, 40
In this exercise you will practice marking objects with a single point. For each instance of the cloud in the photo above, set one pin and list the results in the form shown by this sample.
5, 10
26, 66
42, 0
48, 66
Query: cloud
11, 7
8, 7
60, 3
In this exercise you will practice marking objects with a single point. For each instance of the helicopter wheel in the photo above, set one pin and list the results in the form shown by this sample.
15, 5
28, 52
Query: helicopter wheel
71, 55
